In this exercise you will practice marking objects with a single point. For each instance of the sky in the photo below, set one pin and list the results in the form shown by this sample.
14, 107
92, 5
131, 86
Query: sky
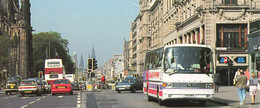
102, 24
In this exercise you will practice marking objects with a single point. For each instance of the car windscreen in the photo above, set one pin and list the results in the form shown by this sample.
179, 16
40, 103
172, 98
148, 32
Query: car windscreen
62, 82
128, 80
28, 83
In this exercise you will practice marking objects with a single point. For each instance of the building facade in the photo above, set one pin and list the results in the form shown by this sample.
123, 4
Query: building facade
15, 26
221, 24
254, 47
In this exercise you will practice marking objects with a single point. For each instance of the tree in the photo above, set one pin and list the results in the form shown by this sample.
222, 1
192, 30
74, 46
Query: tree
46, 45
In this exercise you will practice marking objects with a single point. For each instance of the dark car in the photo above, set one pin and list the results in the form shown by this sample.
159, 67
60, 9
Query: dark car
11, 86
46, 87
130, 84
75, 85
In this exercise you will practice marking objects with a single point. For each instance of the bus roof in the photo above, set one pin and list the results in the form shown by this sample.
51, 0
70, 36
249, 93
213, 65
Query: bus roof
187, 45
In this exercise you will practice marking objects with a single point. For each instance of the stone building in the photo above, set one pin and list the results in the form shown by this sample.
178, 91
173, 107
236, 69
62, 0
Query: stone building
221, 24
15, 26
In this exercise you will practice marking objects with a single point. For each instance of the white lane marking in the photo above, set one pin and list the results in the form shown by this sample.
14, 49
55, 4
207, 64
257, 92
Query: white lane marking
32, 102
38, 99
24, 106
78, 100
5, 97
25, 97
60, 96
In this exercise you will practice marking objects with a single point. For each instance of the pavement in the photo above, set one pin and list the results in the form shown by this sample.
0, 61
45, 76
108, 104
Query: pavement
228, 95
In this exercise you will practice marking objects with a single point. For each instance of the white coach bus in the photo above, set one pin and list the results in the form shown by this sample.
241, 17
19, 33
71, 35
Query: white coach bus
180, 71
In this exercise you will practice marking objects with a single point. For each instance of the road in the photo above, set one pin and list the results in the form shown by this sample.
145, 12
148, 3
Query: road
112, 99
83, 99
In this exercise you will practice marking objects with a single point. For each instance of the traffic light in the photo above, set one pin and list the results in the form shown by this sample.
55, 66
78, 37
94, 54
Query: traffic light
94, 64
230, 62
90, 64
40, 75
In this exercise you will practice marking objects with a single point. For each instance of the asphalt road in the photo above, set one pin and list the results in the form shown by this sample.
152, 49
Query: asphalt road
83, 99
112, 99
44, 101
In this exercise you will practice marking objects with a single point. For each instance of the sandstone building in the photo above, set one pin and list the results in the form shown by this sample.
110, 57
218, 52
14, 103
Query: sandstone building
221, 24
15, 26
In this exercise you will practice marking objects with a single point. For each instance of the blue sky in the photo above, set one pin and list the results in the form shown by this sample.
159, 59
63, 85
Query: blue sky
85, 23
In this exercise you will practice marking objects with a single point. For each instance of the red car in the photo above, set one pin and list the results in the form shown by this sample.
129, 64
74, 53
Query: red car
61, 86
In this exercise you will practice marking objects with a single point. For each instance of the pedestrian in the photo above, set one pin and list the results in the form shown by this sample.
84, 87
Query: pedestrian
253, 85
217, 81
103, 80
247, 74
235, 76
241, 85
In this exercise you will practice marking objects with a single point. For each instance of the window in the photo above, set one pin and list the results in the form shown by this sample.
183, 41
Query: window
232, 36
230, 2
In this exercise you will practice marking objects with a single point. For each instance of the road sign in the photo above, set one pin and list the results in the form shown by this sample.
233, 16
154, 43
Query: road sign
225, 60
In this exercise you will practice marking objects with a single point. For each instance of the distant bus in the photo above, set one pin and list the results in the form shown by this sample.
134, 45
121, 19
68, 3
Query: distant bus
71, 77
180, 71
53, 70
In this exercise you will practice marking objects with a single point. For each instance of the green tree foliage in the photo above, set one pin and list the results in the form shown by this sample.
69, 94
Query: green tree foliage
3, 52
49, 45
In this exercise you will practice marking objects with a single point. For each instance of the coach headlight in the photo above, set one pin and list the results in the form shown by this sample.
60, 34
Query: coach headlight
210, 85
167, 84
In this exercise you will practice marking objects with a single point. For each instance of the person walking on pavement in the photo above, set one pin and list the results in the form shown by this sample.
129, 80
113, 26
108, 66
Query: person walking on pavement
103, 80
241, 85
253, 85
235, 77
247, 74
217, 81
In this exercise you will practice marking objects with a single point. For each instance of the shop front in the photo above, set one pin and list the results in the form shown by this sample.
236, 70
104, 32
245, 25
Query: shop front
254, 47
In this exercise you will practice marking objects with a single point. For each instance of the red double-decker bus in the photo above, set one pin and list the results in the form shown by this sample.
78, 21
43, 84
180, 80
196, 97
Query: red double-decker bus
53, 70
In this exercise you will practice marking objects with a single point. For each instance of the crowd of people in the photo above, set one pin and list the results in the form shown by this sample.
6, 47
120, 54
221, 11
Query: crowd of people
245, 83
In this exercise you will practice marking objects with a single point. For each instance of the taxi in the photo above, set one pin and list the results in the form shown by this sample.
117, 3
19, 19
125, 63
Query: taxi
30, 86
11, 86
61, 86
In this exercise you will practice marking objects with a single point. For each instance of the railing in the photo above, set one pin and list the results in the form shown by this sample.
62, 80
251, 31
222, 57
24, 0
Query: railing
233, 45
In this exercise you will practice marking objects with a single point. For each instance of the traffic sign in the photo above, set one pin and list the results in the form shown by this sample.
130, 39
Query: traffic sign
225, 60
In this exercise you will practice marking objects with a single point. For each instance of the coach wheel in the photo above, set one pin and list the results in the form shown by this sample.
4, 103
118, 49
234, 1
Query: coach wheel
21, 94
133, 90
118, 91
160, 102
6, 93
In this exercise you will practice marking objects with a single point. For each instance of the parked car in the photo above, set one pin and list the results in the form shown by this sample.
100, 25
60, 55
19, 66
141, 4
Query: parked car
75, 85
46, 87
130, 84
11, 86
61, 86
30, 86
